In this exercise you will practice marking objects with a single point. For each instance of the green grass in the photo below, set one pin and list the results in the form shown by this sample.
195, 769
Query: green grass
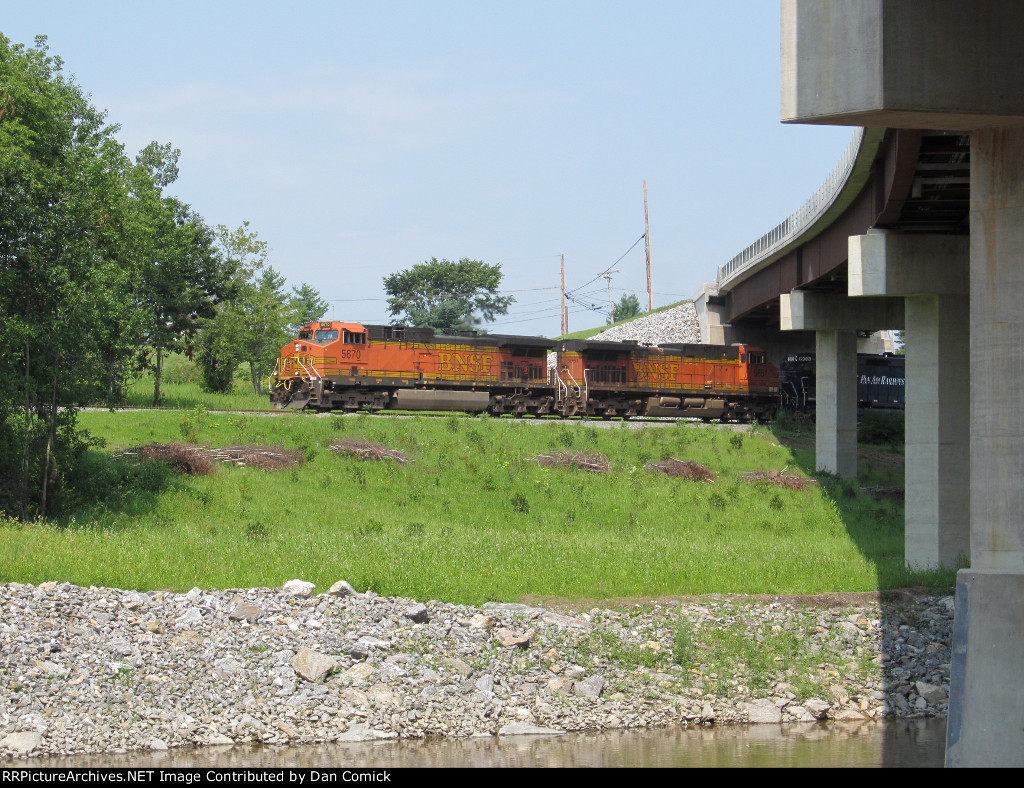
470, 518
180, 388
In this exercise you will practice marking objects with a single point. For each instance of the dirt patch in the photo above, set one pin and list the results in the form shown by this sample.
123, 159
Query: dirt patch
886, 459
781, 479
582, 460
366, 450
894, 493
682, 469
830, 599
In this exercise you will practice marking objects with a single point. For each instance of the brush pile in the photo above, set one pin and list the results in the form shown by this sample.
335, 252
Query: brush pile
365, 450
197, 461
682, 469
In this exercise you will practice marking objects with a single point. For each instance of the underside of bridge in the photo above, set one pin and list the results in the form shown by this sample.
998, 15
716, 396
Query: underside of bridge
933, 241
919, 183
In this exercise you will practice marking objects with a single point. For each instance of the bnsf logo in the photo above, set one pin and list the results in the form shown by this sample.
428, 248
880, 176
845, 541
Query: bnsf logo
465, 363
655, 370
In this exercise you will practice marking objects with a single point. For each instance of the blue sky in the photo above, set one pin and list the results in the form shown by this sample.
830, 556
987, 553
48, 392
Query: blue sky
360, 138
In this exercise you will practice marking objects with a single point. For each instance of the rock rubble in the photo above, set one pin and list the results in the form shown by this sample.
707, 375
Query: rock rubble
676, 325
106, 670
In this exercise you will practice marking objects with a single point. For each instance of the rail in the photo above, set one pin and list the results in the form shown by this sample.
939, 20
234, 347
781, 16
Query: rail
861, 149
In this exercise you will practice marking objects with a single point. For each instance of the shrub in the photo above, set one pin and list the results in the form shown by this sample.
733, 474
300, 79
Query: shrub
881, 429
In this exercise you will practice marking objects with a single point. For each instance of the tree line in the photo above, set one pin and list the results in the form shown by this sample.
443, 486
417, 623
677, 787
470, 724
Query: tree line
103, 274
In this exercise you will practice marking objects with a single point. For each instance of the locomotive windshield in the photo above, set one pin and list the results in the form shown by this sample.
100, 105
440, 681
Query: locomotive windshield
325, 335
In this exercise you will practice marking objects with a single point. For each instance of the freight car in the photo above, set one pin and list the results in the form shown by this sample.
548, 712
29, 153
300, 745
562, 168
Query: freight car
880, 382
350, 366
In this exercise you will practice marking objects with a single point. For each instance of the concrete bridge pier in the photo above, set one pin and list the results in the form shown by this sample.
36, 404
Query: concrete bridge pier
835, 436
932, 273
986, 710
836, 320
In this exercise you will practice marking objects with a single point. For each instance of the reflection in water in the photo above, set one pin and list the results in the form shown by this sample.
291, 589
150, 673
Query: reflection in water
917, 743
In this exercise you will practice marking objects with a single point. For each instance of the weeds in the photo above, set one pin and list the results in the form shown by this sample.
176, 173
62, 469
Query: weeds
473, 519
191, 423
721, 656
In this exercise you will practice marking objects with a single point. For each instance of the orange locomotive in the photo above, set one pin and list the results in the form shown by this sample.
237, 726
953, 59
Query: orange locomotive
351, 366
728, 383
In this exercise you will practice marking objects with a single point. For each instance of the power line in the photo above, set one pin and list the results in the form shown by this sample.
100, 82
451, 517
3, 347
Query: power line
587, 284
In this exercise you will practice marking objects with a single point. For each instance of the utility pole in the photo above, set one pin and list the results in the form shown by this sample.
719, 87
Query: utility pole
647, 243
611, 305
565, 312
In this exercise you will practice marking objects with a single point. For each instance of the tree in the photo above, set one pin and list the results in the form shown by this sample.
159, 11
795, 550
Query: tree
628, 306
447, 296
183, 276
266, 314
70, 242
255, 318
221, 340
306, 306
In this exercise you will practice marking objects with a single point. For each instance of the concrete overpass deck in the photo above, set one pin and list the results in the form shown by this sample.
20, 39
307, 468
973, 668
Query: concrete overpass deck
900, 180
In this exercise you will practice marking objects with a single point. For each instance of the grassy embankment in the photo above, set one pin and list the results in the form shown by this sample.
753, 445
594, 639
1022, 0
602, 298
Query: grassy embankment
472, 517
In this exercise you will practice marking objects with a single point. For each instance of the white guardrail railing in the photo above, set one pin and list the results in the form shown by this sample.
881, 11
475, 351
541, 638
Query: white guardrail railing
800, 220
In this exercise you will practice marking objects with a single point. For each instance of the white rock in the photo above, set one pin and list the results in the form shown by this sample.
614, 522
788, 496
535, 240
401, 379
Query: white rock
299, 588
21, 743
312, 665
762, 710
342, 588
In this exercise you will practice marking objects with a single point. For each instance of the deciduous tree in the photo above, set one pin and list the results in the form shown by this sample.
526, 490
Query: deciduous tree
306, 305
70, 319
627, 307
447, 296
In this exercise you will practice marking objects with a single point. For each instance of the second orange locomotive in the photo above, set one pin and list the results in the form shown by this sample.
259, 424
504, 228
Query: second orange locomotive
351, 366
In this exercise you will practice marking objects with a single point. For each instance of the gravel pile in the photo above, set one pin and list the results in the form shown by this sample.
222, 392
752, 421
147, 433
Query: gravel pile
106, 670
678, 325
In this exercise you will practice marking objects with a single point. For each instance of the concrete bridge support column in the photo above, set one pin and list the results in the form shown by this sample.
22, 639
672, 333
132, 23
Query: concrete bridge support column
937, 432
836, 408
932, 273
986, 712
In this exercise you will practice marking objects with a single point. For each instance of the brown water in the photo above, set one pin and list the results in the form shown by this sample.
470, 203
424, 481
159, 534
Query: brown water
917, 743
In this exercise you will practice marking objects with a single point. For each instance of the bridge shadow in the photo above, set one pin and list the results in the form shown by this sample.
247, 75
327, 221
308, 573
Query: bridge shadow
915, 608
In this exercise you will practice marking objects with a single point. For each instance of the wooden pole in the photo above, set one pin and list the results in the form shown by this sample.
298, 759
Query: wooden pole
565, 314
647, 243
